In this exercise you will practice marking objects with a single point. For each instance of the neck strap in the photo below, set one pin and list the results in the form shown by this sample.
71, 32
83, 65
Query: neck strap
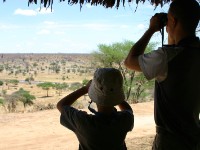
91, 109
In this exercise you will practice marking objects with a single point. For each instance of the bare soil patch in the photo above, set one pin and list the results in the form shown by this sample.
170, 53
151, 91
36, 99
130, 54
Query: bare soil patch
42, 130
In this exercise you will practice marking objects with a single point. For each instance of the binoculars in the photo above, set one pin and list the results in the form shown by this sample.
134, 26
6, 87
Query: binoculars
163, 22
163, 19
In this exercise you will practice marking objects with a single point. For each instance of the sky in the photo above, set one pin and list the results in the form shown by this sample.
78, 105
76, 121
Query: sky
66, 29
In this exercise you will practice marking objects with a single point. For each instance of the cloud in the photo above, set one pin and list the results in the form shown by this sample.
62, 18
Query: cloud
59, 33
25, 12
49, 22
8, 26
79, 25
124, 26
97, 26
43, 32
29, 12
141, 26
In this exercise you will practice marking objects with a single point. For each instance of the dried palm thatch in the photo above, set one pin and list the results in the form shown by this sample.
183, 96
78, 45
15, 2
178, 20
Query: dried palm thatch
105, 3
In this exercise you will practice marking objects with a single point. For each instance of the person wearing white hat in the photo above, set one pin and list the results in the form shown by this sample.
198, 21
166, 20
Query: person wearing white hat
107, 128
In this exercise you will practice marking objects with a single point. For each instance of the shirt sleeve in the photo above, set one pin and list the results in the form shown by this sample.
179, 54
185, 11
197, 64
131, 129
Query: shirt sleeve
128, 119
71, 117
154, 64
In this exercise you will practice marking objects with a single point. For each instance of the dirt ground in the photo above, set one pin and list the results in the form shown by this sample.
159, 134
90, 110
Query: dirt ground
42, 130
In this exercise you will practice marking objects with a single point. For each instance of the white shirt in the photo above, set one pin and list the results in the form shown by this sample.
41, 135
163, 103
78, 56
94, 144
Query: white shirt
155, 63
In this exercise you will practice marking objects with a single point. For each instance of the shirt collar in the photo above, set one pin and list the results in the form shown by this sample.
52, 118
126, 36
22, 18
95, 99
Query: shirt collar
188, 41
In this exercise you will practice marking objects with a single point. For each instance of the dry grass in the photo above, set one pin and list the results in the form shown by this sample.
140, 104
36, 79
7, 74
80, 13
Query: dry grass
41, 130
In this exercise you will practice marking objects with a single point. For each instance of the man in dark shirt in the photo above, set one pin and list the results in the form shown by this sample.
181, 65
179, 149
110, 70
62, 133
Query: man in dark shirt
106, 129
176, 68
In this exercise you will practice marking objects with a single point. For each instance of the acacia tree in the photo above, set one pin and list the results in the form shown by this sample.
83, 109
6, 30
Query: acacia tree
1, 101
113, 56
60, 87
1, 68
21, 95
29, 79
12, 81
11, 101
46, 86
1, 84
24, 96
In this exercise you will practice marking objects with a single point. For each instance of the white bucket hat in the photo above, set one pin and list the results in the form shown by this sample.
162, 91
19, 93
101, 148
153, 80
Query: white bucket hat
106, 88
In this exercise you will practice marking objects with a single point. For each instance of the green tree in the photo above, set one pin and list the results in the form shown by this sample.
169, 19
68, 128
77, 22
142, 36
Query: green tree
46, 86
59, 87
21, 95
24, 96
14, 81
85, 81
1, 83
4, 92
1, 101
29, 79
74, 86
54, 67
35, 64
1, 68
63, 78
113, 56
11, 100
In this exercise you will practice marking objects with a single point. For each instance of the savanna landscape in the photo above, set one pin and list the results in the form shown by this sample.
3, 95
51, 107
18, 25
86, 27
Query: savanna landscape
32, 84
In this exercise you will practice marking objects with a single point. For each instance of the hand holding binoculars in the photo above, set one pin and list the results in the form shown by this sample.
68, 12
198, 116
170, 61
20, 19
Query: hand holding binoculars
163, 19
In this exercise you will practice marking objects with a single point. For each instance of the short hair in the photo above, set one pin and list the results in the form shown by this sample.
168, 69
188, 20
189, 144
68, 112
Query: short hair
187, 12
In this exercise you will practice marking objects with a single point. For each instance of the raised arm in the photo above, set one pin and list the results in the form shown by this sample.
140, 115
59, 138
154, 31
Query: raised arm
72, 97
125, 106
139, 47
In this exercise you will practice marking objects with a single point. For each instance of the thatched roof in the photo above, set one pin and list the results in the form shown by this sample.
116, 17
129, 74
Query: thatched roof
105, 3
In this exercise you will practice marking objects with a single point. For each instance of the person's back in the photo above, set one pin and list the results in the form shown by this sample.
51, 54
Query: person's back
102, 132
177, 98
106, 128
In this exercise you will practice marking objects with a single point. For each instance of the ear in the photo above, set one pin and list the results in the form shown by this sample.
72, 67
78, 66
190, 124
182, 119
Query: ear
174, 22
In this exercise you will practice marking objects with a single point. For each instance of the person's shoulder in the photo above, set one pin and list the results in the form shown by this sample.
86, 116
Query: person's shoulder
74, 111
126, 113
127, 117
170, 51
66, 108
167, 48
159, 52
